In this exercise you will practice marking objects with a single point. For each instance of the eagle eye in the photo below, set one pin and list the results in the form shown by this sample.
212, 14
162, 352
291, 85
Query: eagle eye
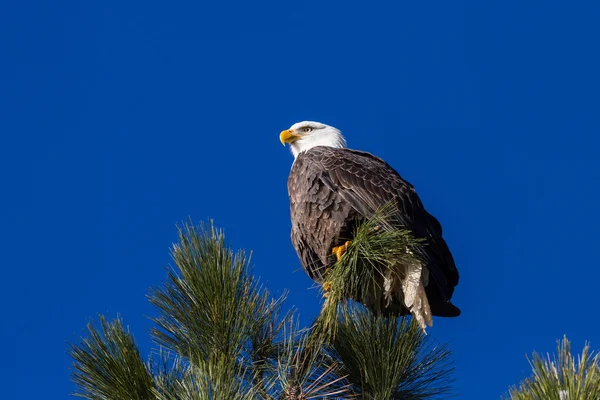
307, 129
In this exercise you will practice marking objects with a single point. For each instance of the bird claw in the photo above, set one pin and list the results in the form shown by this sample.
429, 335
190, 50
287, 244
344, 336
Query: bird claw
340, 250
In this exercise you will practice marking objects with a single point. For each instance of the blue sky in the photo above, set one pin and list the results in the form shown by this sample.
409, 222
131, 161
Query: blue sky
121, 119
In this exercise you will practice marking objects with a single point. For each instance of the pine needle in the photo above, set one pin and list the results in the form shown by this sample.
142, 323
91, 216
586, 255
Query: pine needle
390, 358
305, 372
561, 377
222, 336
108, 364
377, 248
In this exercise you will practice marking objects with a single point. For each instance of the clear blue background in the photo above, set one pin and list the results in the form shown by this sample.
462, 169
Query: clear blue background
121, 119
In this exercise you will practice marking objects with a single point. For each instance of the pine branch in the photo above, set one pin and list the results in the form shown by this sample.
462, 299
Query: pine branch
305, 372
377, 248
224, 337
561, 377
265, 343
389, 358
168, 370
108, 365
177, 379
214, 313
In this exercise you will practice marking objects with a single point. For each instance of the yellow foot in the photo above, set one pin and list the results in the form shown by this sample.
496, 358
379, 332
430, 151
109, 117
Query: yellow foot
340, 250
326, 288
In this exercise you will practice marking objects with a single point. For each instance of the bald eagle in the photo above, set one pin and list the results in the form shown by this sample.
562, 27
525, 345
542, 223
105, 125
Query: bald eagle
331, 187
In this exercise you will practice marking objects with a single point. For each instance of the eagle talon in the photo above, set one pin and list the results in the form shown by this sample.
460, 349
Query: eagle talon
340, 250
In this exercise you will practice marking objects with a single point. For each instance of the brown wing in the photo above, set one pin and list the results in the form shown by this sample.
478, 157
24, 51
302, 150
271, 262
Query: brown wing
318, 214
332, 186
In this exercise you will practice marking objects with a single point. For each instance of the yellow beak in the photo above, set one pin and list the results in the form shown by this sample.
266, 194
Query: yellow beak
288, 136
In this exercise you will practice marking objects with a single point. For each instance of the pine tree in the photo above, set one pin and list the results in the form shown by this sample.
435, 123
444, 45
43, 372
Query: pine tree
221, 335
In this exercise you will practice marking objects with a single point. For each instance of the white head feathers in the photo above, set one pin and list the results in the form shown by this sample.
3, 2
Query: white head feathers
303, 136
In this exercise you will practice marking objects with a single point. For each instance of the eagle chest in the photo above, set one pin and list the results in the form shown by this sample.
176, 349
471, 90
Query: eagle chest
318, 212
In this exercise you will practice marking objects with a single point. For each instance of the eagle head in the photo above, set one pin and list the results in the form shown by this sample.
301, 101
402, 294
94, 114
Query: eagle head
303, 136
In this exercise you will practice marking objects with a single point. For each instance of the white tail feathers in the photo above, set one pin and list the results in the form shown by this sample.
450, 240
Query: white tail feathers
407, 283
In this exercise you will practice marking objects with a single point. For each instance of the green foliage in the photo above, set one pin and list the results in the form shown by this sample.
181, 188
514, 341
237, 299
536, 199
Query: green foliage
213, 310
304, 371
108, 364
390, 358
222, 336
217, 317
561, 377
376, 249
207, 381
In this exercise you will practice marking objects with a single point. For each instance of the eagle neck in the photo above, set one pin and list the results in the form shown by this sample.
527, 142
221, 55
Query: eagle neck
311, 152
